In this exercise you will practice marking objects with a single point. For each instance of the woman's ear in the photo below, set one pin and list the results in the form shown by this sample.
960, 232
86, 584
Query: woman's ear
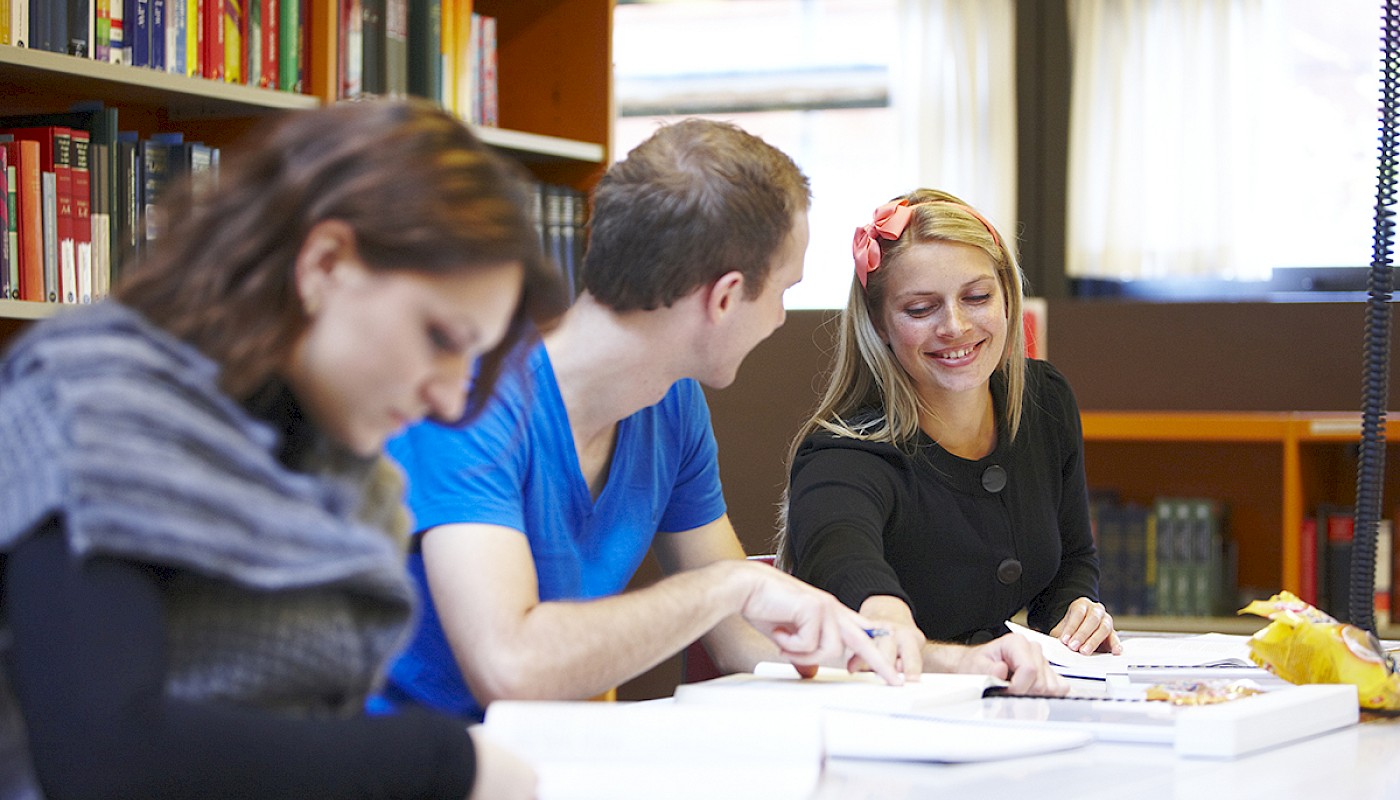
327, 245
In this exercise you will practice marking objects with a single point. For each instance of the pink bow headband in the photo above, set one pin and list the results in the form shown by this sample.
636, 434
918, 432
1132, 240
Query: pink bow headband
889, 222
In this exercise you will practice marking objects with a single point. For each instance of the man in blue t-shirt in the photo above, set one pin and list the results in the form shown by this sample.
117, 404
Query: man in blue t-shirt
533, 519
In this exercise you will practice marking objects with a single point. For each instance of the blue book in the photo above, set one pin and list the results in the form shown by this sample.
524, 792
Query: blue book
157, 34
138, 32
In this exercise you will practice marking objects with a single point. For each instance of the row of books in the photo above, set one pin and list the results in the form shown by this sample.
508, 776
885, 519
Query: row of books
1173, 558
561, 219
252, 42
80, 197
438, 49
1326, 543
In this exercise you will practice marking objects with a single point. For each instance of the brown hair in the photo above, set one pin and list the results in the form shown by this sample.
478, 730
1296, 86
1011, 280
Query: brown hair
419, 190
696, 200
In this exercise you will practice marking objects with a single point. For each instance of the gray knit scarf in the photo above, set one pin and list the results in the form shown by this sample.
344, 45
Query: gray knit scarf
287, 589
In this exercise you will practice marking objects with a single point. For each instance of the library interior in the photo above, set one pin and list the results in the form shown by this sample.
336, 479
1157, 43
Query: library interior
1222, 434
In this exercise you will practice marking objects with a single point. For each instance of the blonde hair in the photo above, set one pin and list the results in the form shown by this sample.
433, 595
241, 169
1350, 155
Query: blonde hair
865, 373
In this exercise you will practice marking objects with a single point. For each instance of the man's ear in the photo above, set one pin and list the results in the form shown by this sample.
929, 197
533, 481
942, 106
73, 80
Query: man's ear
327, 245
724, 294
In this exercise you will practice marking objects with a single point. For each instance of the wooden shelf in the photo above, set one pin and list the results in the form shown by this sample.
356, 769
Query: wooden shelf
30, 80
1271, 468
538, 148
21, 309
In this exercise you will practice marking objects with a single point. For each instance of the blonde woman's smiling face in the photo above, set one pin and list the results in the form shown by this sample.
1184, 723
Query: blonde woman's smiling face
944, 318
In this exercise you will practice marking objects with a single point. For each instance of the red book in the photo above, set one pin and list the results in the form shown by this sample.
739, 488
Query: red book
1307, 563
82, 212
29, 212
271, 41
213, 46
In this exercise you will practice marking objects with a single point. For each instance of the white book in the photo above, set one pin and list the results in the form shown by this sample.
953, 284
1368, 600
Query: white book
778, 685
19, 23
1223, 730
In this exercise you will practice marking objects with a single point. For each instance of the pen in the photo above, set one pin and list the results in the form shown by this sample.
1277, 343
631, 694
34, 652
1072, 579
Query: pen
875, 633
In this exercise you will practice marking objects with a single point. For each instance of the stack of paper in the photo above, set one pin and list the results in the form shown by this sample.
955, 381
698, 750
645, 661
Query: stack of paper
630, 751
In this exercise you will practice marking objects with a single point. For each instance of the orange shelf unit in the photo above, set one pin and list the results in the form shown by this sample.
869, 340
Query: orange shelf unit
1271, 469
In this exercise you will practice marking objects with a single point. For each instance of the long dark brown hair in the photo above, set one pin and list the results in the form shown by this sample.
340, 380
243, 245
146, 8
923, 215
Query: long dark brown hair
419, 190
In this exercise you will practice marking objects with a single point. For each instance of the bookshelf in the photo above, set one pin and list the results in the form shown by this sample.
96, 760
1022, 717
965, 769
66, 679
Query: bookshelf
1271, 468
555, 79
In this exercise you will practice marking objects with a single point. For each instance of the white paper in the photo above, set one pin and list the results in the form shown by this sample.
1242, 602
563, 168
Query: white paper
1164, 651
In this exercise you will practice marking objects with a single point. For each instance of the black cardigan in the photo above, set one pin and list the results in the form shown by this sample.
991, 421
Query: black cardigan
966, 544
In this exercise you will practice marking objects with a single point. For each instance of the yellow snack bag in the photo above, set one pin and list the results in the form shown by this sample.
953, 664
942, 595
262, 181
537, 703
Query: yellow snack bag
1305, 645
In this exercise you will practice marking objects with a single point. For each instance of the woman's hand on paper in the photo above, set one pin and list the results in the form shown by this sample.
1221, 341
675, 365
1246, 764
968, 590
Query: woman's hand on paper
1015, 659
1088, 628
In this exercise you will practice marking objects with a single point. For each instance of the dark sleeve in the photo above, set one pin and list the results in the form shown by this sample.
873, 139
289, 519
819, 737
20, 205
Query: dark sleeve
1078, 575
839, 503
87, 667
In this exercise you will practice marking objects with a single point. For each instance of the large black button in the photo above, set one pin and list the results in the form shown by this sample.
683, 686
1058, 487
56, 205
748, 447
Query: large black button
1009, 571
994, 479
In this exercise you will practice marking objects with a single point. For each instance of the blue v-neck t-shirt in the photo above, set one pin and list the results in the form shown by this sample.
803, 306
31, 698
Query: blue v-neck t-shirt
516, 466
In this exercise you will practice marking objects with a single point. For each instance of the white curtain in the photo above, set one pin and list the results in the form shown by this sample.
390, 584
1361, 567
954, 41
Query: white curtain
955, 88
1170, 99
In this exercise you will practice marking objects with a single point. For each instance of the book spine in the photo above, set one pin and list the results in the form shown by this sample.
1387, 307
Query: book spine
157, 47
29, 215
101, 167
50, 211
490, 99
39, 33
1307, 561
176, 21
82, 213
67, 244
372, 47
213, 46
269, 70
1341, 531
1164, 602
194, 34
7, 282
396, 47
289, 41
127, 174
116, 32
19, 23
102, 31
447, 67
77, 29
12, 232
141, 34
233, 41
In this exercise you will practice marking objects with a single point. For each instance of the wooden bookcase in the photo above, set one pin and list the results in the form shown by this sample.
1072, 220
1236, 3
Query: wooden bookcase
555, 77
1271, 468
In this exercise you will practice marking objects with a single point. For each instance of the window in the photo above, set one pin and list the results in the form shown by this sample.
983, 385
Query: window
1230, 140
811, 77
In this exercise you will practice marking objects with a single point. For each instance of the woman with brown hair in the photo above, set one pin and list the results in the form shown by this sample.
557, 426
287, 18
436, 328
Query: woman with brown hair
203, 570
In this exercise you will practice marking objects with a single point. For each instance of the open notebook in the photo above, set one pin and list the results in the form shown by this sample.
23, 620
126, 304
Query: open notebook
863, 717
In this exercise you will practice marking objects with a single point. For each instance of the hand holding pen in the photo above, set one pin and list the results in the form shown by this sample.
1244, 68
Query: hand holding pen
811, 627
